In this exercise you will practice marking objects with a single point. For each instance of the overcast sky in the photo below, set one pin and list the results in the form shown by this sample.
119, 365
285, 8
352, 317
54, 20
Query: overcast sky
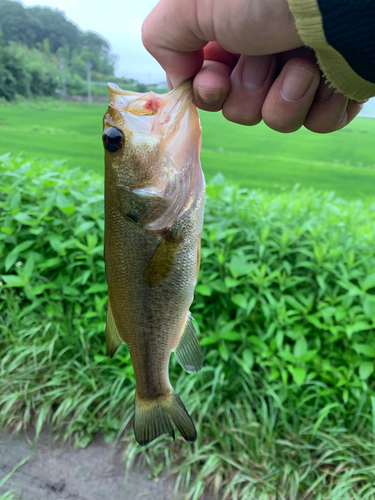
120, 23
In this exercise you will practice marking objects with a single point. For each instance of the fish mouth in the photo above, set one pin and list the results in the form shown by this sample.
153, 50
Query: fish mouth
113, 88
147, 112
116, 92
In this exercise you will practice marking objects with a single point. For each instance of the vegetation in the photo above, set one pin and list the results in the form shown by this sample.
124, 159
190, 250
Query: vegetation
285, 309
35, 41
8, 495
253, 157
27, 72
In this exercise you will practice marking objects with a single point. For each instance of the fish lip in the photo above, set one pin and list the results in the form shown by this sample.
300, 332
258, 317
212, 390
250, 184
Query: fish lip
113, 88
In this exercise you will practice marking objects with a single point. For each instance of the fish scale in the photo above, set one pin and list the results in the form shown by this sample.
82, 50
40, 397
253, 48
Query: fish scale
154, 204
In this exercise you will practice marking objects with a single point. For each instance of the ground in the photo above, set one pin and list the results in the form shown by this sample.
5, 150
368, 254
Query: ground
56, 472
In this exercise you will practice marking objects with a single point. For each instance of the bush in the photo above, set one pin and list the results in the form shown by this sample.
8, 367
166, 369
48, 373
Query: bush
42, 70
15, 77
285, 305
27, 72
7, 84
288, 284
75, 85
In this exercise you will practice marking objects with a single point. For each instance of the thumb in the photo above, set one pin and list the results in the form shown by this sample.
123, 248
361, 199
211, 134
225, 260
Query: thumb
176, 31
170, 35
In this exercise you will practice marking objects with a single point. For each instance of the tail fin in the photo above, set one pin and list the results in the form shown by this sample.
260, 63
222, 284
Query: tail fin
156, 417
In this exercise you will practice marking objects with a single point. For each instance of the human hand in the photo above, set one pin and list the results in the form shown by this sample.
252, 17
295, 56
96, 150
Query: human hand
247, 60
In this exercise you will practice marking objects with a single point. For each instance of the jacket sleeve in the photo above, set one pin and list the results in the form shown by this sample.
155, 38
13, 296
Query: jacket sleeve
342, 34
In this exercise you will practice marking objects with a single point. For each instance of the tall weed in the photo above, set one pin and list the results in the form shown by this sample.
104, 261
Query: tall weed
284, 308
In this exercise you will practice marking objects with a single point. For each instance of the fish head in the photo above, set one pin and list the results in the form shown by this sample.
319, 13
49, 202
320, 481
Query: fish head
150, 138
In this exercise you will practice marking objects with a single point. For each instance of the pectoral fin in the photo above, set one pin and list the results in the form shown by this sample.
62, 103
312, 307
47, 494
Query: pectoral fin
113, 337
188, 351
161, 263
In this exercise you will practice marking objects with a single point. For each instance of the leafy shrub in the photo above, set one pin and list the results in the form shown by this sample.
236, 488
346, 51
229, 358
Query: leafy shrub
75, 85
288, 284
285, 305
15, 78
41, 70
27, 72
7, 84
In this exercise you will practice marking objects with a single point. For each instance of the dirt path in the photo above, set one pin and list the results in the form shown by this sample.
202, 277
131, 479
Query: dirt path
59, 473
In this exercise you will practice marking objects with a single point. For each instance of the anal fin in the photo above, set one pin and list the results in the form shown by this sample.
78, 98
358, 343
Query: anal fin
188, 351
113, 337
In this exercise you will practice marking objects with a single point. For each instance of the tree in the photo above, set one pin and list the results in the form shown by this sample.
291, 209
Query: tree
32, 40
7, 82
17, 25
55, 27
50, 31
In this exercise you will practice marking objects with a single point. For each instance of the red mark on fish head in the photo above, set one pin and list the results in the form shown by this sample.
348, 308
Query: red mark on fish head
152, 104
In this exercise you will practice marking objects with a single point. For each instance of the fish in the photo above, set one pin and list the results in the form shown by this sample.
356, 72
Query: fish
154, 206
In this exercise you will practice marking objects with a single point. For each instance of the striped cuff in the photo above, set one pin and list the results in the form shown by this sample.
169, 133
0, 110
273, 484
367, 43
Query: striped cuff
335, 68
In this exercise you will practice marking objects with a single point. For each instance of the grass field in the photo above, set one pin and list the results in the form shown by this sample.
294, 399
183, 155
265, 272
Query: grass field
251, 157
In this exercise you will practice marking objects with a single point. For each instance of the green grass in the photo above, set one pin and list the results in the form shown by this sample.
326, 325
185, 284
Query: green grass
285, 306
54, 129
254, 157
8, 495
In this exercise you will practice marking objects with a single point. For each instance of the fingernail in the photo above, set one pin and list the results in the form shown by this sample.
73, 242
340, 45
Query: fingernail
209, 96
324, 92
255, 71
296, 83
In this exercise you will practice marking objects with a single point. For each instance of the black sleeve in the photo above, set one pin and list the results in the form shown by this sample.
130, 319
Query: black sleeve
349, 27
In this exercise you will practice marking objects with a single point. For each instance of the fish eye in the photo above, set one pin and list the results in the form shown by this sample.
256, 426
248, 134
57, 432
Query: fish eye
113, 139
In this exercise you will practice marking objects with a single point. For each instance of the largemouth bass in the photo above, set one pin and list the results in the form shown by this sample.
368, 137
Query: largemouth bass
154, 203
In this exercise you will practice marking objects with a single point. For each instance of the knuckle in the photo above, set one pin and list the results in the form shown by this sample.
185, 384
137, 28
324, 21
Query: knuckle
319, 128
285, 127
281, 118
146, 37
207, 107
242, 118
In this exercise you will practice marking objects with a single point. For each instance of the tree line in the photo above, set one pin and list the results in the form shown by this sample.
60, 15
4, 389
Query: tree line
36, 41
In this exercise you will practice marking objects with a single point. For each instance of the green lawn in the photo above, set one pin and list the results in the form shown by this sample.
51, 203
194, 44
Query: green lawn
252, 157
